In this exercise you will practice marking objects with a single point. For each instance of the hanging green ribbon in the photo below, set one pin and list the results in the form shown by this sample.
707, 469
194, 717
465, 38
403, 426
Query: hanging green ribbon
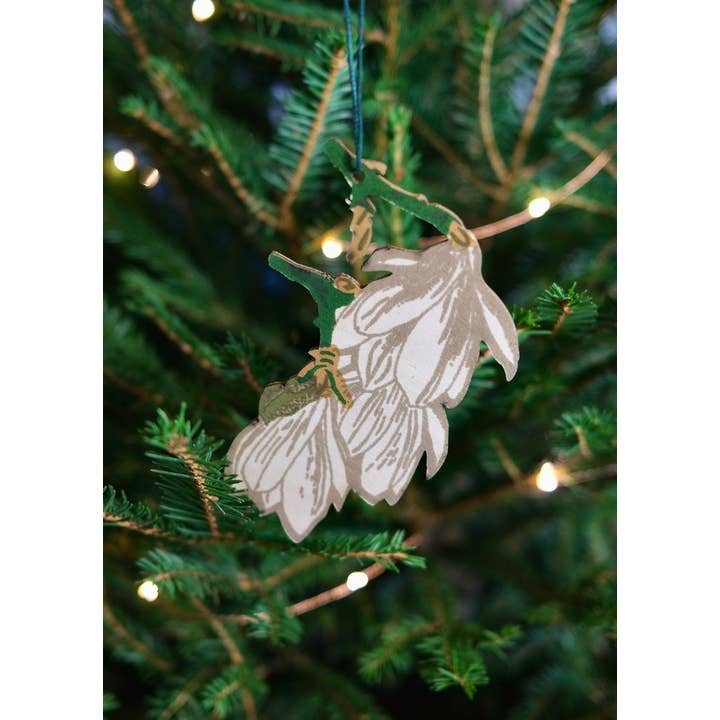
355, 68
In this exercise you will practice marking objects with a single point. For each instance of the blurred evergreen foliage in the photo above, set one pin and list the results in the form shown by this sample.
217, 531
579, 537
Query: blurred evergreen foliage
487, 597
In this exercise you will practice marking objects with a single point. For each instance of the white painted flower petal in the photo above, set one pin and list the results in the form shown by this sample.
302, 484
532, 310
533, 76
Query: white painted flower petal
422, 353
373, 302
423, 286
435, 438
271, 499
391, 258
305, 490
403, 455
376, 359
384, 468
336, 457
245, 440
344, 335
243, 453
405, 308
459, 363
394, 301
372, 416
499, 331
266, 460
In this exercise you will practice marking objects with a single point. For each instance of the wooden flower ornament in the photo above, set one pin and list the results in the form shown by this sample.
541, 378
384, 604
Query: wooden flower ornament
393, 355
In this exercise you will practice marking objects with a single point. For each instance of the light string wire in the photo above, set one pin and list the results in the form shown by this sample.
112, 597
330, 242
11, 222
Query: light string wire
355, 69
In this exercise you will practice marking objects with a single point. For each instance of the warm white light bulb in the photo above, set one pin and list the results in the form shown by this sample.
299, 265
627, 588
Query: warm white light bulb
124, 160
356, 580
203, 10
148, 590
331, 247
547, 479
538, 206
151, 178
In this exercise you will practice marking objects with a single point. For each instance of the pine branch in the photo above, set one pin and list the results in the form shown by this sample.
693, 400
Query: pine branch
389, 66
337, 64
157, 72
176, 338
142, 115
565, 311
590, 148
556, 198
523, 217
401, 166
339, 694
484, 114
193, 481
311, 116
314, 16
453, 158
256, 367
570, 309
119, 511
385, 547
187, 108
195, 575
591, 206
392, 656
437, 21
243, 194
136, 38
178, 447
257, 44
123, 635
588, 432
164, 90
453, 663
506, 461
118, 521
250, 377
144, 296
153, 398
552, 53
185, 694
290, 570
598, 473
233, 651
220, 695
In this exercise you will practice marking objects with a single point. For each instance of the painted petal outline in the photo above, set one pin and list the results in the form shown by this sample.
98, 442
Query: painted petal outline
384, 470
498, 330
293, 466
435, 438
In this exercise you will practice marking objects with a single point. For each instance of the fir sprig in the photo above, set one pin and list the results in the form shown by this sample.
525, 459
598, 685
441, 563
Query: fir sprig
310, 117
196, 492
570, 312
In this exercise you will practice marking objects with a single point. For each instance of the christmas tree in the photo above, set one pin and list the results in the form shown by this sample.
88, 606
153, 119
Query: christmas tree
487, 591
